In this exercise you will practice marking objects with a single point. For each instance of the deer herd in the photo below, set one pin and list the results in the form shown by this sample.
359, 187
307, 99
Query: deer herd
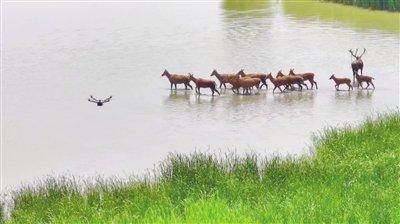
250, 81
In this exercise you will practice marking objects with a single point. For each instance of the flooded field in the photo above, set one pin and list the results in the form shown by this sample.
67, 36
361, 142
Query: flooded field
57, 54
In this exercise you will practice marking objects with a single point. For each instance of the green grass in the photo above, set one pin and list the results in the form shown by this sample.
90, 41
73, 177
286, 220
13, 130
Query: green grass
348, 15
353, 176
390, 5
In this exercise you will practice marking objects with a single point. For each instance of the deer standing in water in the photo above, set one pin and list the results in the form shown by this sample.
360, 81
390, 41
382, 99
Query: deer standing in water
339, 81
223, 78
204, 83
177, 79
278, 82
292, 79
262, 77
357, 64
247, 83
364, 78
306, 76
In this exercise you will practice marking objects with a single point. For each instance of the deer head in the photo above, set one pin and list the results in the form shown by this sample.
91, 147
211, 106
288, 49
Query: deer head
279, 74
165, 73
214, 73
241, 73
191, 77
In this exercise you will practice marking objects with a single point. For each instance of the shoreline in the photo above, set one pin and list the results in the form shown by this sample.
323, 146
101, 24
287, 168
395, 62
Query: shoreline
237, 186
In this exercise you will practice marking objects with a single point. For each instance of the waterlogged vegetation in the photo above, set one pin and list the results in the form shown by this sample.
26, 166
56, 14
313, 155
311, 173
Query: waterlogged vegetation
391, 5
353, 176
354, 16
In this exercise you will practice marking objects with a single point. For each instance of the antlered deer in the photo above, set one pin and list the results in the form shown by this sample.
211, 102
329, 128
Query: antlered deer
357, 64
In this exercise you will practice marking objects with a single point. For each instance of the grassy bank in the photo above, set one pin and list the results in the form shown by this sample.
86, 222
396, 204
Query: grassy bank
353, 177
389, 5
351, 16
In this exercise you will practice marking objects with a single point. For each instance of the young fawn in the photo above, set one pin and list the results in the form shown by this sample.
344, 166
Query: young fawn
364, 78
339, 81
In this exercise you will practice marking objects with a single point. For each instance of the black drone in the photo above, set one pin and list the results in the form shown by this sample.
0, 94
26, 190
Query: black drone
99, 102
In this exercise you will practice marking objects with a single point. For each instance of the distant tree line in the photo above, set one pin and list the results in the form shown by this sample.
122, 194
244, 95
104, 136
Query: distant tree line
390, 5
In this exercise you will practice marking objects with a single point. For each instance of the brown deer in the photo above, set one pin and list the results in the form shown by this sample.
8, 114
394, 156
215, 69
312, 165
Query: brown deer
177, 79
357, 64
247, 83
262, 77
223, 78
235, 84
364, 78
204, 83
278, 82
293, 79
306, 76
339, 81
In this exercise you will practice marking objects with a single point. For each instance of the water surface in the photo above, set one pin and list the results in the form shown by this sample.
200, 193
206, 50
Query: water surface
57, 54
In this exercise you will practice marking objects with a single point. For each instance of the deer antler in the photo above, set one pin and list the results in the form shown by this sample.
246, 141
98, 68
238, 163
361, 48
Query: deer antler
363, 52
351, 52
93, 98
107, 100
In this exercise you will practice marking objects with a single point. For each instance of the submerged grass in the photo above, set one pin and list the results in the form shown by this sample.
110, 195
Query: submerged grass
353, 176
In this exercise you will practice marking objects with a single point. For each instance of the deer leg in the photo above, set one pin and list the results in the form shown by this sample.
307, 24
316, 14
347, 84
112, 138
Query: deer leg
185, 86
280, 89
237, 90
265, 84
175, 86
286, 87
220, 84
367, 85
224, 85
305, 85
171, 85
216, 91
316, 86
190, 86
372, 84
